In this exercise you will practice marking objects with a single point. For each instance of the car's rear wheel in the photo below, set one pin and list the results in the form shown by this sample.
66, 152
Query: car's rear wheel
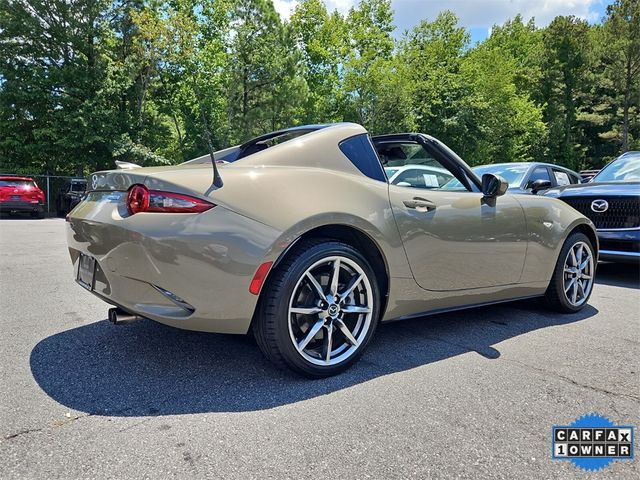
319, 309
573, 277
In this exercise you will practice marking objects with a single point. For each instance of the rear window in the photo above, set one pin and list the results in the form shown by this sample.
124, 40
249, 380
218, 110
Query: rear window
263, 142
78, 187
17, 183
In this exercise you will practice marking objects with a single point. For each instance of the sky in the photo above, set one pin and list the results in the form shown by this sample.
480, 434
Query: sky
478, 16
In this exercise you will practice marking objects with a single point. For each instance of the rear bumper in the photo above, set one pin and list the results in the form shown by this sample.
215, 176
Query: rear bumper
190, 271
21, 207
619, 245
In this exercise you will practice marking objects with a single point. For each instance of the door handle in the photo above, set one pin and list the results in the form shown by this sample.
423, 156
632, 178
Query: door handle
420, 204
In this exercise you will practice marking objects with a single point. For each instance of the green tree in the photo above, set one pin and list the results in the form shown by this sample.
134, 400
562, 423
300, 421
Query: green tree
432, 53
265, 91
184, 44
522, 42
71, 95
321, 38
563, 88
508, 125
621, 57
57, 84
374, 82
503, 73
154, 81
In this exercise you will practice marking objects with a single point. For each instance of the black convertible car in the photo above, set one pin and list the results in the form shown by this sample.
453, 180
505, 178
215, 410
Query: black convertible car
612, 201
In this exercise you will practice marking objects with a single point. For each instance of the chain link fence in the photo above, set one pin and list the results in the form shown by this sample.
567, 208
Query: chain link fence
51, 185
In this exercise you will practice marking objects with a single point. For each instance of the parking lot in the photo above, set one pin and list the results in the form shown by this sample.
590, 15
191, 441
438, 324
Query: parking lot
469, 394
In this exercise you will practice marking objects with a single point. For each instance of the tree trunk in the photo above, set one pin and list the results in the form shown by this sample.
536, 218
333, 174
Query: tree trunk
180, 140
245, 102
625, 106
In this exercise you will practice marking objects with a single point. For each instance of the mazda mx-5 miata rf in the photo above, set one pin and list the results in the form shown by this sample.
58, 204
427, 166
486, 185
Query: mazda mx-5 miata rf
298, 236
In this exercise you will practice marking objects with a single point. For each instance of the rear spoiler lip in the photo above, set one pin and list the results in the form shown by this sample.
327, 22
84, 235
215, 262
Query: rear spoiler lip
120, 165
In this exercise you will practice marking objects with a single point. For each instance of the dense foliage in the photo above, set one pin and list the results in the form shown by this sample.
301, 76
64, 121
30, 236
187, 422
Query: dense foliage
87, 82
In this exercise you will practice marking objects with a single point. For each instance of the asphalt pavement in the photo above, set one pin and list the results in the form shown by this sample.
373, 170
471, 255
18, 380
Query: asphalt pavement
472, 394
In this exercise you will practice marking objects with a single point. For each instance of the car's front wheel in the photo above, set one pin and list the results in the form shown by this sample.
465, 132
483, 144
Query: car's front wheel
573, 277
319, 309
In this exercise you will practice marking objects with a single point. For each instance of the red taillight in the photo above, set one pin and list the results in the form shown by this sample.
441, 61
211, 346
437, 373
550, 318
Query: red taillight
259, 277
138, 199
141, 199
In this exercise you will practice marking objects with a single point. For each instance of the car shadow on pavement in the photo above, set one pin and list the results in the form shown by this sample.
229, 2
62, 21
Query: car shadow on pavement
21, 216
147, 369
625, 275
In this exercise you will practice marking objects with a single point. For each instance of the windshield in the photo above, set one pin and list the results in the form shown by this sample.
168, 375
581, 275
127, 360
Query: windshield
511, 173
622, 169
17, 183
78, 187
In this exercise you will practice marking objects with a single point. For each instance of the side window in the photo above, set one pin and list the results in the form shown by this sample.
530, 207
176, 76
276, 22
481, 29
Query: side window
360, 151
540, 173
562, 177
409, 178
408, 164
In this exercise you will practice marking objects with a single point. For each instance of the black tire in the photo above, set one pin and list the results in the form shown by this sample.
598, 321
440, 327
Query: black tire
555, 297
38, 214
271, 325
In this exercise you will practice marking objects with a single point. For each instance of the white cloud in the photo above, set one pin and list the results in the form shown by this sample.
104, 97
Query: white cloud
285, 7
485, 13
472, 13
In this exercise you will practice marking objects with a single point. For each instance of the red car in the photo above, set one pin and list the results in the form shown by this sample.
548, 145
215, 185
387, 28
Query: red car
21, 194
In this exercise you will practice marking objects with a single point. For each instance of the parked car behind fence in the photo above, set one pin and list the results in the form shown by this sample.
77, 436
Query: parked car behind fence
21, 195
51, 185
70, 195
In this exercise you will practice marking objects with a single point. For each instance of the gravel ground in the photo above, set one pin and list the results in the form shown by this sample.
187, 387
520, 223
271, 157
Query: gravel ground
462, 395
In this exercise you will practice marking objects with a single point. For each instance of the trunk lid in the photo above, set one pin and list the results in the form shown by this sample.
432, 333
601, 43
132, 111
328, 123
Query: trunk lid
20, 191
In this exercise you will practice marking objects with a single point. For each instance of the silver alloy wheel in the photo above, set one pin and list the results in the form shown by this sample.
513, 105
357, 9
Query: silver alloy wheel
330, 311
577, 278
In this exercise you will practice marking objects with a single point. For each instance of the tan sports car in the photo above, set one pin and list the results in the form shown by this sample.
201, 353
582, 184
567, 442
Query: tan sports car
298, 236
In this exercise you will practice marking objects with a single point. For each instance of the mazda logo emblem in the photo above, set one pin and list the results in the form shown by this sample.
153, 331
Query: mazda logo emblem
599, 206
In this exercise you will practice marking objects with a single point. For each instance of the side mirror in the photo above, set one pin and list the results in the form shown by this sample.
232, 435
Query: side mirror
493, 185
403, 184
540, 185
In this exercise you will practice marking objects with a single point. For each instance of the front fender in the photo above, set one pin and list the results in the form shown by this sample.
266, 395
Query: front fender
549, 223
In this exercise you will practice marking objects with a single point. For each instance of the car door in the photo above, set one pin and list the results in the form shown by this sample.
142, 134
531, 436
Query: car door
454, 238
562, 177
541, 172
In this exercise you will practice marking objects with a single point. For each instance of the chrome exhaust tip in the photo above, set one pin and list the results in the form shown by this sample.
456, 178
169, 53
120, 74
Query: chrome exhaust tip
118, 316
